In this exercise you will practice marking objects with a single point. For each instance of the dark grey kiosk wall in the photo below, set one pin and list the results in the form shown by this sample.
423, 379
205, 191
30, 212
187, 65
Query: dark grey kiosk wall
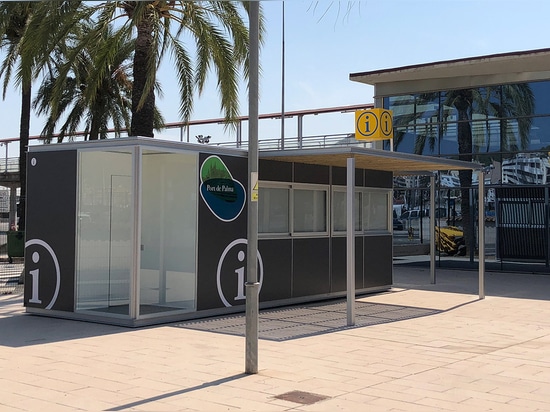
292, 269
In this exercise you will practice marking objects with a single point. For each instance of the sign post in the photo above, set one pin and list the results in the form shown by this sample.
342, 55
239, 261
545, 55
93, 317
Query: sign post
252, 284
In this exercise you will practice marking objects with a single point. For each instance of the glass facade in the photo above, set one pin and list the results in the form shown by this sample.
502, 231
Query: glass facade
165, 276
499, 126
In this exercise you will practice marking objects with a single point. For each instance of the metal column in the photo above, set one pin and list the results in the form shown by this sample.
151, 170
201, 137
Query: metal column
350, 241
481, 233
252, 285
432, 228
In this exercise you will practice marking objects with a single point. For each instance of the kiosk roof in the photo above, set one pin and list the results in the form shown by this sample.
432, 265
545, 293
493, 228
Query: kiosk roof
373, 159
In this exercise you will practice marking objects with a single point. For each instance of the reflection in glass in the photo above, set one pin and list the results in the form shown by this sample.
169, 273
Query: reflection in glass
310, 210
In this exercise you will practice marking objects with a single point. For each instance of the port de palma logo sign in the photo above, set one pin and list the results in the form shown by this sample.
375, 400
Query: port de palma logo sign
373, 124
224, 196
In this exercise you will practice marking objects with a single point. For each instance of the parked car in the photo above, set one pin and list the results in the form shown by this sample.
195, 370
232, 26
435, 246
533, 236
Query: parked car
410, 214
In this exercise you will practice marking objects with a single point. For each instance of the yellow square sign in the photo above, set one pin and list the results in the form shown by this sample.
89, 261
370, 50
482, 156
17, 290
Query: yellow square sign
373, 124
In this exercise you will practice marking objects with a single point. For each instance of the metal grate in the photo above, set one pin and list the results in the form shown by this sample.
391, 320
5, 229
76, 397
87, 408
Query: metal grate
308, 320
10, 274
304, 398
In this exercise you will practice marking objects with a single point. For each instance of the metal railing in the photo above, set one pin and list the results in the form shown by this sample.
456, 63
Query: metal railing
9, 165
308, 142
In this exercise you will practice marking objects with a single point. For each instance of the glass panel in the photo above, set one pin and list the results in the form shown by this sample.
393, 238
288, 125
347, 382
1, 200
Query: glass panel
340, 213
168, 232
104, 257
539, 136
310, 210
415, 123
402, 107
511, 139
375, 210
485, 137
449, 142
541, 95
427, 108
273, 210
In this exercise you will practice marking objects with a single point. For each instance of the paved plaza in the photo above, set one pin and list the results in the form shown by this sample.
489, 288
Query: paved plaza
419, 347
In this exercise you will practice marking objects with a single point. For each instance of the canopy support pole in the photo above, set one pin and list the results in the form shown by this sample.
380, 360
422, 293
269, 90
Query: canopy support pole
350, 241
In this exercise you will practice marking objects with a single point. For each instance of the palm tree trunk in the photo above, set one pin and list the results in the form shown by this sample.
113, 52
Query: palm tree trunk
24, 131
94, 127
143, 115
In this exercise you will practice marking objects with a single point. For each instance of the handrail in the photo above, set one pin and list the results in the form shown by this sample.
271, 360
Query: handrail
181, 125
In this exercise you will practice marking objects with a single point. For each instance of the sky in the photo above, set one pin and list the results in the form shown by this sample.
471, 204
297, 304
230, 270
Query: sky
324, 43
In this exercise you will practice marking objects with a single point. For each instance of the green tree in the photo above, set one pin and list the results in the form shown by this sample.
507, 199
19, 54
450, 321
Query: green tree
80, 96
215, 31
14, 18
20, 66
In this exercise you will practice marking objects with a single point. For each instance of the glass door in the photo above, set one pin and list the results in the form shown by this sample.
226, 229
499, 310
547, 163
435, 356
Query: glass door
104, 232
167, 276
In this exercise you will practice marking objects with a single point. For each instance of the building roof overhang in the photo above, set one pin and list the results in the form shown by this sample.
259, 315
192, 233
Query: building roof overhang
500, 68
372, 159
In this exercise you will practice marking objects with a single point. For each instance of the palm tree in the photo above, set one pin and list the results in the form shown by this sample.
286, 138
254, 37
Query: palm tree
74, 96
514, 101
216, 30
26, 52
14, 19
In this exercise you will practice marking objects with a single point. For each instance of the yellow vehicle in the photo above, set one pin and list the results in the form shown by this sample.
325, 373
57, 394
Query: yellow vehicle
450, 240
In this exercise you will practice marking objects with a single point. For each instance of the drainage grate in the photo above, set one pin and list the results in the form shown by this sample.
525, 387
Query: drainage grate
308, 320
305, 398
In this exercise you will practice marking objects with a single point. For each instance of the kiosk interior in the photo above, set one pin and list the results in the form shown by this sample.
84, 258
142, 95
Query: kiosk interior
137, 231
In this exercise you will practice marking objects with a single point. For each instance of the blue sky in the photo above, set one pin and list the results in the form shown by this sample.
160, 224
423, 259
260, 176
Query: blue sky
324, 44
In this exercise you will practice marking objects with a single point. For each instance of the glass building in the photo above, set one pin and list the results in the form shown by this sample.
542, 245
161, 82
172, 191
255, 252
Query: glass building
493, 110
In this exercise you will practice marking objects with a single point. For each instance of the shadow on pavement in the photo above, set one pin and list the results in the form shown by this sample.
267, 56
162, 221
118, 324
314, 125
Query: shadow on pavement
512, 285
19, 329
178, 392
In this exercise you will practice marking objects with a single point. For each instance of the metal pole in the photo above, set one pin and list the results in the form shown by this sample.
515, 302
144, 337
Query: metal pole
481, 234
547, 258
350, 242
432, 228
136, 232
300, 130
252, 285
472, 223
239, 133
283, 81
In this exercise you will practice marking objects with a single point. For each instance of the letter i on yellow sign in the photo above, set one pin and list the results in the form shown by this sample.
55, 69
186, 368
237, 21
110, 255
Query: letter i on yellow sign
373, 124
